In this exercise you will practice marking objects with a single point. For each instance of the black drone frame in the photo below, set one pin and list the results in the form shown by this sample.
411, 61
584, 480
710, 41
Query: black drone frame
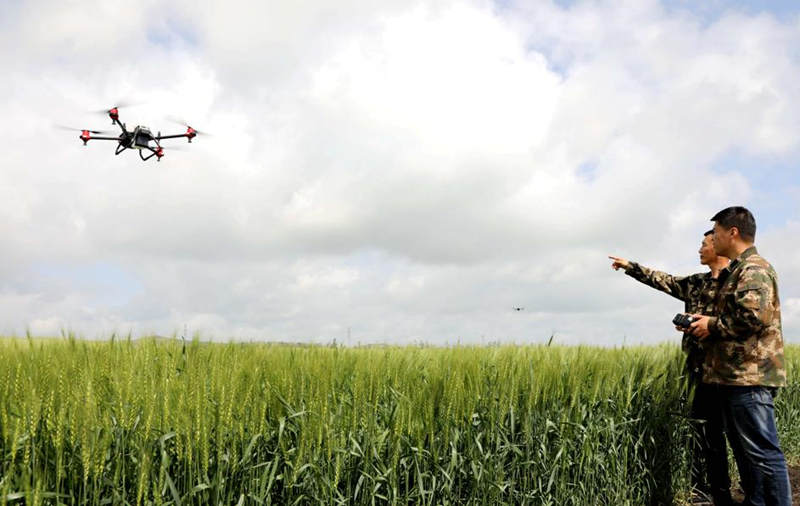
138, 139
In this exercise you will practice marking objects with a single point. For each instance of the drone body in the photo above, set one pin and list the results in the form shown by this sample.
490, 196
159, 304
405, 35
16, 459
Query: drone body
140, 138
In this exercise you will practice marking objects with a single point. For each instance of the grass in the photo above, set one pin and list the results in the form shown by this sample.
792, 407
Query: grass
166, 422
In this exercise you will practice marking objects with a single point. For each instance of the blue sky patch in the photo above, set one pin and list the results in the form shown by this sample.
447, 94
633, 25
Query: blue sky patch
109, 284
172, 33
774, 181
587, 171
712, 9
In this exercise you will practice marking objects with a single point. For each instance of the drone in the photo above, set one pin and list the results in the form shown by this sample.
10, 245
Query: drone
139, 138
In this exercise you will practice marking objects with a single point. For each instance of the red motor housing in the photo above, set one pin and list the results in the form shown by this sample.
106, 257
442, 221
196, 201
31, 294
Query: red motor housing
191, 133
113, 114
85, 136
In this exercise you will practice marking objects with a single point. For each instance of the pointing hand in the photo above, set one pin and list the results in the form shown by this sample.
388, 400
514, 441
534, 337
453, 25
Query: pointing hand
619, 263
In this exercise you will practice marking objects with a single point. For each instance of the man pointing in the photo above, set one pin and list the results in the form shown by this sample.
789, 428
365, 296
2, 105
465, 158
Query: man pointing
698, 292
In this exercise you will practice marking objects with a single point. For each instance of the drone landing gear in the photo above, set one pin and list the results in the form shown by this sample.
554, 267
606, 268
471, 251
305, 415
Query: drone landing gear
151, 155
158, 153
120, 149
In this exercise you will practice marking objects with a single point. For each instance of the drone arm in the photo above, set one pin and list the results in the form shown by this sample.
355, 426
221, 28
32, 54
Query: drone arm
103, 138
120, 124
190, 134
170, 136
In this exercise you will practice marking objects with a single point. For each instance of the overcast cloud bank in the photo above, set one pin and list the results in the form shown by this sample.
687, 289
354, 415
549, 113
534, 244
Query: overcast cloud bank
395, 172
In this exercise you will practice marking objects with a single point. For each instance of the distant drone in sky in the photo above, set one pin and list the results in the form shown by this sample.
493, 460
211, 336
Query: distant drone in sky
139, 138
518, 308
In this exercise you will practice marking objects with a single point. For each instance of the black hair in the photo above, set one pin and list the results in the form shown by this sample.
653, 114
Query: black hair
739, 217
708, 232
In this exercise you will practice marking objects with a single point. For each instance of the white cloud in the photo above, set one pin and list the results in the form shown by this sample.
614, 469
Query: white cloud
407, 171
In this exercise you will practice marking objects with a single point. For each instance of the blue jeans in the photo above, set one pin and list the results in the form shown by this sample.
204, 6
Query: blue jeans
749, 418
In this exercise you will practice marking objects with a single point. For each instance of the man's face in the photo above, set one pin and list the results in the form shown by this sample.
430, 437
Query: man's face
721, 239
707, 253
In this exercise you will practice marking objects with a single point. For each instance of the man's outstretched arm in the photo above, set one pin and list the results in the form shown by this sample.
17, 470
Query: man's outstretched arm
677, 286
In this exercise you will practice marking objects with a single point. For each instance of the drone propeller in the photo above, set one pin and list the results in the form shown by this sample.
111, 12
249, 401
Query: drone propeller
63, 127
159, 151
117, 106
183, 122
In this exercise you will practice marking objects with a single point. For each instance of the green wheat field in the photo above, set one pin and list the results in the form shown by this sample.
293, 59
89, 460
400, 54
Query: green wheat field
156, 421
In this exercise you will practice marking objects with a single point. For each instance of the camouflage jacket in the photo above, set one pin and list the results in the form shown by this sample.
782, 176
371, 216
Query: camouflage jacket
698, 293
745, 345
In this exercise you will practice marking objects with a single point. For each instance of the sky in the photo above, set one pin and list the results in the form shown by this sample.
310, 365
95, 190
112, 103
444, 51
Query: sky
395, 172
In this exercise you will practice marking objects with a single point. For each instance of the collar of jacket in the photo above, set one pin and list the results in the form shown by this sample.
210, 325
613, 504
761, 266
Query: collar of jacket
736, 261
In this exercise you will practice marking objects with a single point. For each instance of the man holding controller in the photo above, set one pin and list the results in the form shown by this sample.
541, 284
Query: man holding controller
744, 363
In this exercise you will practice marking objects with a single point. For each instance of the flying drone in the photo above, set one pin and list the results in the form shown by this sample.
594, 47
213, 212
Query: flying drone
139, 138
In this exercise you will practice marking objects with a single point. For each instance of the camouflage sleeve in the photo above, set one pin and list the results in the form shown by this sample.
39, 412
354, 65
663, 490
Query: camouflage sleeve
750, 308
677, 286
